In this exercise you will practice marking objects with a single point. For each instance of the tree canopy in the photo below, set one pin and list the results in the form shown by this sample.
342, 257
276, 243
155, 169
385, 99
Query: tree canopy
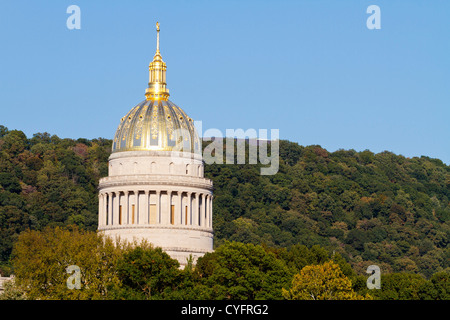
363, 208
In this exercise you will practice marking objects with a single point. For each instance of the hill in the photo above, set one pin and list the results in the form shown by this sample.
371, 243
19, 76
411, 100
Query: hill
381, 209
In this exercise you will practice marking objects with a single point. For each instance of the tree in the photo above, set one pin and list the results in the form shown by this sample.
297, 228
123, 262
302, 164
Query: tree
147, 272
437, 288
12, 222
14, 142
321, 282
40, 260
399, 286
9, 182
243, 271
3, 131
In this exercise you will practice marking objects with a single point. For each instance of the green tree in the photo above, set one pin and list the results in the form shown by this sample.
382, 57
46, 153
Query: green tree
40, 260
14, 142
243, 271
322, 282
399, 286
437, 288
12, 222
147, 273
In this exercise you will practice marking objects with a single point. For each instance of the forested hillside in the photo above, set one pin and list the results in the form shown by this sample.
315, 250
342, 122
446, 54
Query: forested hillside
381, 209
371, 208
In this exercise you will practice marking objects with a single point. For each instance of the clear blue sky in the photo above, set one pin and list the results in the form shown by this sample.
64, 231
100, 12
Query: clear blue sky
311, 69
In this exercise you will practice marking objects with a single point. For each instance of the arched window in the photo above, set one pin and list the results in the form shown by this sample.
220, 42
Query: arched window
171, 165
187, 168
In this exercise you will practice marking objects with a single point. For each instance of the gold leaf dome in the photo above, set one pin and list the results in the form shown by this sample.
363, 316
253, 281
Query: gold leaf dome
156, 123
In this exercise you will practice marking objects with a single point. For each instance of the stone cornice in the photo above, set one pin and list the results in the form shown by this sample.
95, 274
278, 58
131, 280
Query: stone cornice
156, 179
150, 153
208, 231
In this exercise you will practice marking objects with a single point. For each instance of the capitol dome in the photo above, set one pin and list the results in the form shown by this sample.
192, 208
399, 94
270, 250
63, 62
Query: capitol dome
156, 125
155, 189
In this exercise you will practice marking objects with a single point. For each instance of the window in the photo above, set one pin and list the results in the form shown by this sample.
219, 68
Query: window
132, 214
153, 214
172, 214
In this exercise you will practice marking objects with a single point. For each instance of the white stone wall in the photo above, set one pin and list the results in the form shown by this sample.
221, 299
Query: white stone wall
160, 196
155, 162
178, 242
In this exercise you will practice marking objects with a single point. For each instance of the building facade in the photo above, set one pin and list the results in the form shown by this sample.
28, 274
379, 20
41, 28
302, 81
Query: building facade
155, 189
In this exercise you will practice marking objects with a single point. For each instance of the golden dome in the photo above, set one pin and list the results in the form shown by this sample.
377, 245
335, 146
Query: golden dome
156, 123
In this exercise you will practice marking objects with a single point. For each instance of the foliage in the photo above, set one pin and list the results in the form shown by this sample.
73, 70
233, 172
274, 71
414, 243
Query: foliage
233, 271
367, 208
400, 286
381, 209
437, 288
41, 259
47, 181
321, 282
147, 273
238, 271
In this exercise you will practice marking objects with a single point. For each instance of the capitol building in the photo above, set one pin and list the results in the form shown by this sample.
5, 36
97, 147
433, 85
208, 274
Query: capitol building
155, 188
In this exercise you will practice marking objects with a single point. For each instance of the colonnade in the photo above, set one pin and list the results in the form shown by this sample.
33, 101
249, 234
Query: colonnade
160, 207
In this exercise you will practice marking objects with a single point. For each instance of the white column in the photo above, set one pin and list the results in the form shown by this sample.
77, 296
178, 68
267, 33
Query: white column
136, 221
202, 208
100, 208
110, 208
183, 210
179, 211
147, 206
189, 204
125, 219
158, 205
115, 203
207, 211
105, 209
169, 206
205, 206
211, 211
195, 210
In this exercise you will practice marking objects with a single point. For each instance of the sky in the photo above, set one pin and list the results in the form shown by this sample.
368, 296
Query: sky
311, 69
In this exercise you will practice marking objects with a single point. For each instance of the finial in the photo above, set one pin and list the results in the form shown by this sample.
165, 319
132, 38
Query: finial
157, 36
157, 89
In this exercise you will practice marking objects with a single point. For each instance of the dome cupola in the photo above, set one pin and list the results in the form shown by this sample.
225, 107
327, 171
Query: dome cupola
156, 123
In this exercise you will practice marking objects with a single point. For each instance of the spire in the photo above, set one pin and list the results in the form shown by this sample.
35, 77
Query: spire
157, 89
157, 37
